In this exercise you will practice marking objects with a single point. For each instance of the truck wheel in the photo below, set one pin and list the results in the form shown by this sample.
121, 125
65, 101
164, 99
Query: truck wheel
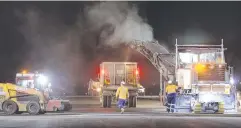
104, 102
10, 107
130, 102
68, 107
33, 108
134, 102
109, 99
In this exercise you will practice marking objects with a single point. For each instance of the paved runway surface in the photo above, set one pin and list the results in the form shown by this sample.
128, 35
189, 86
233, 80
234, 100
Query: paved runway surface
116, 120
88, 114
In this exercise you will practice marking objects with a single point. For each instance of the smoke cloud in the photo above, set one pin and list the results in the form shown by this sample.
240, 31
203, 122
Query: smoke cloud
67, 52
118, 22
54, 48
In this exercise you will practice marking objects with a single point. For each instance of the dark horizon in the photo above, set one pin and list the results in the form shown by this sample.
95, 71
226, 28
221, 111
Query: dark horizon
56, 37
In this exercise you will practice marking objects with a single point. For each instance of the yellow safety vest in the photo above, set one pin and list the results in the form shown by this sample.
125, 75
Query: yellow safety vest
122, 92
171, 88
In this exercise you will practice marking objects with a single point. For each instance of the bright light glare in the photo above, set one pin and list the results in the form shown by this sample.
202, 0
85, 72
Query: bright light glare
199, 67
98, 89
142, 89
231, 80
49, 85
24, 71
103, 71
42, 79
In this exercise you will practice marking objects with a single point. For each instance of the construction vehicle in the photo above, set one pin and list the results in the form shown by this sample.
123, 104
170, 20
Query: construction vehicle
94, 88
16, 100
205, 81
40, 82
29, 96
110, 77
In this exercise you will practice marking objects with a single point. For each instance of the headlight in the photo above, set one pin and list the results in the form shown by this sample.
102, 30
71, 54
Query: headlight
232, 81
98, 89
142, 90
42, 80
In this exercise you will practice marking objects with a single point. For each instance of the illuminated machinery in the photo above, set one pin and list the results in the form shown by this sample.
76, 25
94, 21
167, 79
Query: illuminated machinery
33, 80
94, 88
41, 83
110, 77
205, 81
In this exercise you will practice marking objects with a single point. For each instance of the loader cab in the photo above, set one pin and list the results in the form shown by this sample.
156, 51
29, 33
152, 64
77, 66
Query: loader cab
32, 80
25, 80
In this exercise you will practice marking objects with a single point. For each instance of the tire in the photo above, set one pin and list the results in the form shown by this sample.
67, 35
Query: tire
109, 99
130, 102
70, 107
164, 101
67, 107
10, 107
134, 102
33, 108
104, 103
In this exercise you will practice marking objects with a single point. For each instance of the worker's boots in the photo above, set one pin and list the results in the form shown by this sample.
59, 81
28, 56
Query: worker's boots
122, 110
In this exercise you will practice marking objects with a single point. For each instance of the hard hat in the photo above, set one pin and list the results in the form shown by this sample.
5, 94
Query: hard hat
169, 82
123, 82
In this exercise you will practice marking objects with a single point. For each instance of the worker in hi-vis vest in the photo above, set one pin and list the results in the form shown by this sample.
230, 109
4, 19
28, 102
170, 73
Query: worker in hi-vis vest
171, 92
122, 95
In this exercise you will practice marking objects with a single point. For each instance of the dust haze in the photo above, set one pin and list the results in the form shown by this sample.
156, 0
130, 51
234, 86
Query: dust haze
67, 52
118, 22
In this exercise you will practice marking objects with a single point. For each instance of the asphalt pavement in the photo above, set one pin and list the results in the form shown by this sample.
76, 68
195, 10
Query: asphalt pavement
117, 120
87, 113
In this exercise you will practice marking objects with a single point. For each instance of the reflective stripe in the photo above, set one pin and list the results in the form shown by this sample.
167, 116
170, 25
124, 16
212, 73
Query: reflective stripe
171, 106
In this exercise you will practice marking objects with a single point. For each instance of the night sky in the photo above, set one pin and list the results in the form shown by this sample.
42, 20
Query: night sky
190, 22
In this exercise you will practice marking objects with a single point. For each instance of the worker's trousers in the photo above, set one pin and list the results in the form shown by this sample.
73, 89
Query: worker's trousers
171, 100
121, 103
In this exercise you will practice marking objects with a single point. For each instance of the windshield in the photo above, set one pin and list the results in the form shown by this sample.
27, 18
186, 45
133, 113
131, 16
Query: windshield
32, 81
210, 57
25, 82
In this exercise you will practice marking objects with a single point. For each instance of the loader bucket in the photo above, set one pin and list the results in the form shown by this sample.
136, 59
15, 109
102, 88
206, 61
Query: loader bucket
59, 105
67, 105
54, 105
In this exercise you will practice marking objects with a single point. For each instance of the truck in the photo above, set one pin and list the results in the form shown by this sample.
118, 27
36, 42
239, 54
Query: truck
110, 76
205, 81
